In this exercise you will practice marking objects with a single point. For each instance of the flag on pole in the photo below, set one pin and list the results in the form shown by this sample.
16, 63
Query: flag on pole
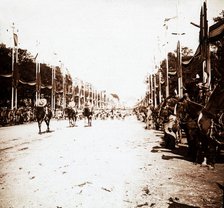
168, 19
15, 38
115, 96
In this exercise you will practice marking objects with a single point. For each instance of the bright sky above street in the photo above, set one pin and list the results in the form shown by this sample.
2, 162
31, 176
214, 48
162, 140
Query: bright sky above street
111, 44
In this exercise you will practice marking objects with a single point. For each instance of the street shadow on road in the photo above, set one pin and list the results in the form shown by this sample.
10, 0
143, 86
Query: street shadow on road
46, 132
180, 205
177, 153
174, 204
181, 152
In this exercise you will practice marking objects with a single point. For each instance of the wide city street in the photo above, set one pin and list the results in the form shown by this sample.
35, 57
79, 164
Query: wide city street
113, 164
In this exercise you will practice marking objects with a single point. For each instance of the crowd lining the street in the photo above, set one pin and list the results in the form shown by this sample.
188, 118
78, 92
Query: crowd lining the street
25, 113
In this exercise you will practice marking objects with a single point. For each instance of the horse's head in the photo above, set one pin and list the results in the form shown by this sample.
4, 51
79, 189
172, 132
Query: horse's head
215, 103
212, 109
180, 110
194, 109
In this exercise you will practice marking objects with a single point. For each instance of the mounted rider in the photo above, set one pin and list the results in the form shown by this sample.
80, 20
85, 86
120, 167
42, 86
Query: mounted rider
88, 113
72, 105
87, 109
43, 112
42, 103
72, 112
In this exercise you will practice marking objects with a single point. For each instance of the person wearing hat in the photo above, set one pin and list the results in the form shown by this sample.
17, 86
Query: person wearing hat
72, 104
88, 113
42, 102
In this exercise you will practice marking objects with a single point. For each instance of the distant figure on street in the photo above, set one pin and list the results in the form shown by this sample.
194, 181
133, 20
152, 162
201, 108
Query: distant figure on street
72, 105
149, 121
88, 113
72, 112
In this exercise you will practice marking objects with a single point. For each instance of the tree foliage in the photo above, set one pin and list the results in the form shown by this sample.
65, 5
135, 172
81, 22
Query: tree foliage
26, 68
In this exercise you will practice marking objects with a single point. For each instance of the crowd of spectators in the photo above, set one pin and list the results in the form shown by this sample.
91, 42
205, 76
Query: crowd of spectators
25, 113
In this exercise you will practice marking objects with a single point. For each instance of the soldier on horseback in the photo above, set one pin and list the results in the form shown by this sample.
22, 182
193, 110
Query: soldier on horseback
42, 102
72, 112
88, 113
43, 113
72, 105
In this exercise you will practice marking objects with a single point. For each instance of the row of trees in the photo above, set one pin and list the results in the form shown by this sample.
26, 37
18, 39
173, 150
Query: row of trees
24, 76
29, 78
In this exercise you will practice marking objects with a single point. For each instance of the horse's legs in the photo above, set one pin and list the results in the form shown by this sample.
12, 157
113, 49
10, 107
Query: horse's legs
72, 121
89, 121
47, 123
85, 118
75, 120
211, 152
39, 126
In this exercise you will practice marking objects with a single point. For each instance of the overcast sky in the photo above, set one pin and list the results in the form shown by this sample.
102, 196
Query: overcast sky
109, 43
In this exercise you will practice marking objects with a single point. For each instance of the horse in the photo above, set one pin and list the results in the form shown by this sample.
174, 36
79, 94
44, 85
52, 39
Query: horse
187, 113
43, 115
88, 113
155, 117
72, 116
141, 113
211, 123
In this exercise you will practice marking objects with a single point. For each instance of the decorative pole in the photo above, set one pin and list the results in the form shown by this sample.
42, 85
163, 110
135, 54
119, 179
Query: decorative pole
167, 64
38, 84
53, 89
167, 55
179, 55
13, 50
159, 75
155, 90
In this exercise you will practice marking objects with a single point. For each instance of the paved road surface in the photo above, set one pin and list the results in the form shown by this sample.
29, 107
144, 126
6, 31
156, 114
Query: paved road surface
114, 164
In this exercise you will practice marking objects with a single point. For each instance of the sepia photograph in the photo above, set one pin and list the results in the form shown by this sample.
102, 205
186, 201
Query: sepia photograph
112, 104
